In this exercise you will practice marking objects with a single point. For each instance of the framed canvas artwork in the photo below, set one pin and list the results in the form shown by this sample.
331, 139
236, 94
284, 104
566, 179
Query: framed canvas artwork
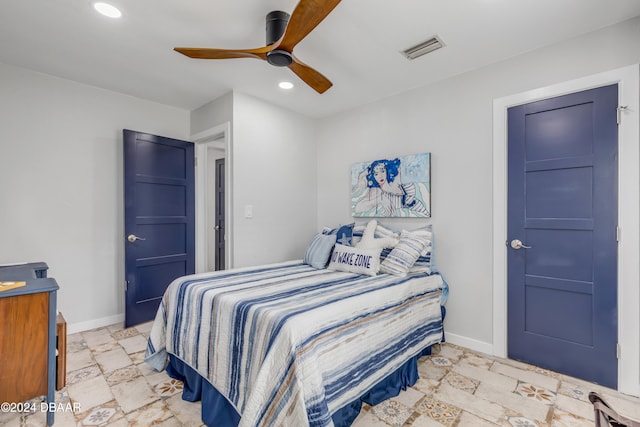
399, 187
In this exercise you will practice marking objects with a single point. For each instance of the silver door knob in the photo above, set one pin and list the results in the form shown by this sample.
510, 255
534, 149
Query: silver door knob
217, 227
517, 244
132, 238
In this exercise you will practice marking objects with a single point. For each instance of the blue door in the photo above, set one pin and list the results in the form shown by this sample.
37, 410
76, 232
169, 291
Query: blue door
159, 220
562, 228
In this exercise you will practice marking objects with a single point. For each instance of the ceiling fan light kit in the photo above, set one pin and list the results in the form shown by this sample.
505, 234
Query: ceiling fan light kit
284, 32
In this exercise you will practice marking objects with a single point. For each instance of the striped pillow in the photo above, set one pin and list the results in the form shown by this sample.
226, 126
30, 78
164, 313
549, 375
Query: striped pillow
405, 254
319, 250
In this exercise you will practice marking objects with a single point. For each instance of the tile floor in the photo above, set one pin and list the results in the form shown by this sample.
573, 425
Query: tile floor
108, 384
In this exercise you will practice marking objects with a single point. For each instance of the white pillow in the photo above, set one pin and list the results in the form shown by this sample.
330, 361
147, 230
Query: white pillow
369, 239
355, 260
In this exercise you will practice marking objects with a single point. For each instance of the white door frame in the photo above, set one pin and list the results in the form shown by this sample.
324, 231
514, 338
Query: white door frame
628, 79
201, 141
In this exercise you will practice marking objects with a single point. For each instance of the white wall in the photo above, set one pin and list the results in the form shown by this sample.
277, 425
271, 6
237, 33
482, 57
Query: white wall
212, 114
61, 184
274, 171
453, 120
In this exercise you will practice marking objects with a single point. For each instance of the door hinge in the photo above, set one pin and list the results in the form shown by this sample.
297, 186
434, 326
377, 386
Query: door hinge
617, 233
618, 350
126, 285
620, 109
195, 160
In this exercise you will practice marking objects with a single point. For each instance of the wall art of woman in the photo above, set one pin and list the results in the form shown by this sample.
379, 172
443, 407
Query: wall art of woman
392, 188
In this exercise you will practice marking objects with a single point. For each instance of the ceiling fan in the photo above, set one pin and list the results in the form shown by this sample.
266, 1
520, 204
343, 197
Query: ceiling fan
284, 32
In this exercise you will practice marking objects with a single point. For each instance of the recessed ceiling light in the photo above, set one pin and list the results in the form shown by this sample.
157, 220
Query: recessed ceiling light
285, 85
107, 10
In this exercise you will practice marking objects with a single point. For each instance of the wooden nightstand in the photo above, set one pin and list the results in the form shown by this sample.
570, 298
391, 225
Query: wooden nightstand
28, 343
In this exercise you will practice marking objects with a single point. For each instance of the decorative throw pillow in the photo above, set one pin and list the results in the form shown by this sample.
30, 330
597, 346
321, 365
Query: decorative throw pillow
344, 234
422, 264
355, 260
319, 250
369, 239
385, 231
381, 231
405, 254
427, 231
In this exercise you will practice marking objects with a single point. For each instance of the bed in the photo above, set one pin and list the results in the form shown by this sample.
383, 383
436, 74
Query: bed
288, 344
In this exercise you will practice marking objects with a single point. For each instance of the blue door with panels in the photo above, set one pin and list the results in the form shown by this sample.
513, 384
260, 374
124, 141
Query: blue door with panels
159, 195
562, 231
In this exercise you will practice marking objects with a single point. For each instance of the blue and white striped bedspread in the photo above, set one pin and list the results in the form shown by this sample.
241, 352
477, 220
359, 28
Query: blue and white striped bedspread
287, 344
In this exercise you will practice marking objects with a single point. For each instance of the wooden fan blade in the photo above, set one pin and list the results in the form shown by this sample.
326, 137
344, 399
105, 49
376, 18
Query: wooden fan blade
206, 53
310, 76
306, 16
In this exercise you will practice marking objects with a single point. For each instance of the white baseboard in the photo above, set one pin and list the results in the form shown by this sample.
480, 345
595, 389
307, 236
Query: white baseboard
73, 328
470, 343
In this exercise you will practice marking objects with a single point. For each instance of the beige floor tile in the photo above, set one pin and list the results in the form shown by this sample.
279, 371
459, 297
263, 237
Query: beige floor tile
486, 376
475, 360
97, 337
526, 376
467, 419
79, 360
90, 393
114, 359
476, 404
134, 394
574, 406
426, 386
451, 352
144, 328
409, 397
188, 413
528, 407
421, 421
367, 419
149, 415
120, 423
565, 419
157, 378
10, 419
171, 422
134, 344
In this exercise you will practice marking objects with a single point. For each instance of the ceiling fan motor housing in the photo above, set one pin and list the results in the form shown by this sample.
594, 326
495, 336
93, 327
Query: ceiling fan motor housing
276, 25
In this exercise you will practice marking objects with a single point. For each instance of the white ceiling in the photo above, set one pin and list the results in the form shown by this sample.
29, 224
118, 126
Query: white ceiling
357, 46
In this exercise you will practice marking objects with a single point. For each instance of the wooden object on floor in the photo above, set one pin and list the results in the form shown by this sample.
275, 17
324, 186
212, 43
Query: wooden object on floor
23, 346
61, 361
27, 343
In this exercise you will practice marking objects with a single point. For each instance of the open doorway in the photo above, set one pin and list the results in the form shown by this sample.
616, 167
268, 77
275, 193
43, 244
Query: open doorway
213, 199
215, 212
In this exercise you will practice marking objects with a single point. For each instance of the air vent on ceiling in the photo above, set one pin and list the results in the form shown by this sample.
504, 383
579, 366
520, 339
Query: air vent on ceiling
423, 48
